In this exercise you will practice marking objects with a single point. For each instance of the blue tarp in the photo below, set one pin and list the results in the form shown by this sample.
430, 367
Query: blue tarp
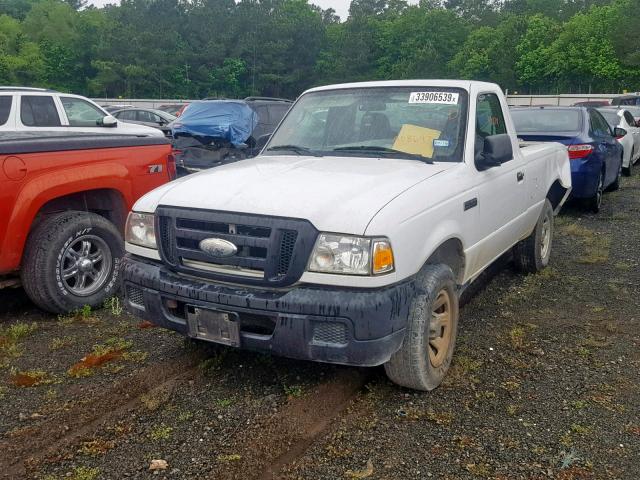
228, 120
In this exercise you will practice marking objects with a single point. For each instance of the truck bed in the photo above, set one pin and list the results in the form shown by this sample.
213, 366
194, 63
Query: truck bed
35, 142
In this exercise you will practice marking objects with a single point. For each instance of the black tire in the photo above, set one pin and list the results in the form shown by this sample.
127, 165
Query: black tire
595, 202
413, 366
533, 253
47, 254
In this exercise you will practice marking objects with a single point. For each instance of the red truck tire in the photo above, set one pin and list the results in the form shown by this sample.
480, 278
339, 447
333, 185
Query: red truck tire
72, 259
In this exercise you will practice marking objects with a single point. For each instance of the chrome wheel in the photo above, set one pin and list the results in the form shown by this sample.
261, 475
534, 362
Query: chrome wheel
440, 329
86, 263
600, 191
545, 237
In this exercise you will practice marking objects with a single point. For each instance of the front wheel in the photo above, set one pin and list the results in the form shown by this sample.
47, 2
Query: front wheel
71, 260
533, 253
430, 337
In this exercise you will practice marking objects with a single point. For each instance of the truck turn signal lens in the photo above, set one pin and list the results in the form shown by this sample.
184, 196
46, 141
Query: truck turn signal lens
382, 257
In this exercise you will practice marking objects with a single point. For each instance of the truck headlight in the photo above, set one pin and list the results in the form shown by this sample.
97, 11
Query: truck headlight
140, 230
351, 255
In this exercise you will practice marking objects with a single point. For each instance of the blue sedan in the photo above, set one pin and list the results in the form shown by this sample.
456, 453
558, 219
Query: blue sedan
596, 156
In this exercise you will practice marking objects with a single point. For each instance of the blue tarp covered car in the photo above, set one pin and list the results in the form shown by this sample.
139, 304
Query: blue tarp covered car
222, 120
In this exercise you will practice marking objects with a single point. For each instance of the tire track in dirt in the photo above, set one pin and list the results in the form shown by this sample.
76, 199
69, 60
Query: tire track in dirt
25, 449
267, 446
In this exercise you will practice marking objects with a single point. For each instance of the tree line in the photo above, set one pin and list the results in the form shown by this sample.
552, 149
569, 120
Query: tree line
229, 49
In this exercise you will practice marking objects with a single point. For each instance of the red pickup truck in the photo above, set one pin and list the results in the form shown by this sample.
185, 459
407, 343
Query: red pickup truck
64, 200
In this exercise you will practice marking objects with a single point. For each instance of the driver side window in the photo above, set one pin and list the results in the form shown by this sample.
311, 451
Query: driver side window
81, 113
489, 119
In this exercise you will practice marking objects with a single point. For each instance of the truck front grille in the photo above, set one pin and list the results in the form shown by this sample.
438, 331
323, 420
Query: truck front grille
270, 250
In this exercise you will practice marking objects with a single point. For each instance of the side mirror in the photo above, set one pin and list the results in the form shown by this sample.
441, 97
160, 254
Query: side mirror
619, 132
497, 149
262, 141
108, 121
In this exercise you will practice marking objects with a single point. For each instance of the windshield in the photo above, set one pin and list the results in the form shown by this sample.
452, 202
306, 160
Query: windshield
404, 122
534, 120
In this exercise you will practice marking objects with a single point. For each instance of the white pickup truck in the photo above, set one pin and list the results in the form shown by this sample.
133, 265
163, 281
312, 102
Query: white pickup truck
351, 236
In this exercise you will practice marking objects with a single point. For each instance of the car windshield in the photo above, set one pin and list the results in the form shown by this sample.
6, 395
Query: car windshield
538, 120
403, 122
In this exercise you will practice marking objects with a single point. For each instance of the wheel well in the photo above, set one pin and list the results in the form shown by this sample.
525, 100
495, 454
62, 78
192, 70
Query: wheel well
450, 253
105, 202
556, 194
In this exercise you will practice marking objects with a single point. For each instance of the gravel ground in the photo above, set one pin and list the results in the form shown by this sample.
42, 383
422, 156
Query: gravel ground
545, 384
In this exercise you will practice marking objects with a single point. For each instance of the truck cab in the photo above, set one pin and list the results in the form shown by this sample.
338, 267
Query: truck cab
350, 237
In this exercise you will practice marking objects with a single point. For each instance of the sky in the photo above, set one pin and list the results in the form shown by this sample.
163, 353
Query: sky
340, 6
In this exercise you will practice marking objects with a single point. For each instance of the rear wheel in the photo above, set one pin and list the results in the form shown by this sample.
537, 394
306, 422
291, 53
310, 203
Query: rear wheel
71, 259
595, 202
430, 337
533, 253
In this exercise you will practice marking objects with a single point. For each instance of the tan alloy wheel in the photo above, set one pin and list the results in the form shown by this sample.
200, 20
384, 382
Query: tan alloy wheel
440, 329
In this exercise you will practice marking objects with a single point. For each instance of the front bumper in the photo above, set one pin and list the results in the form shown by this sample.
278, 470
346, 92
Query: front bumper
343, 326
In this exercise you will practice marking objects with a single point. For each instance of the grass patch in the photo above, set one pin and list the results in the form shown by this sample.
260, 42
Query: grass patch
114, 306
293, 391
224, 402
29, 378
161, 432
234, 457
96, 447
10, 338
58, 343
112, 349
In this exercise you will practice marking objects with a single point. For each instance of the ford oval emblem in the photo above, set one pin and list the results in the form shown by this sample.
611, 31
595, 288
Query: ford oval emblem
217, 247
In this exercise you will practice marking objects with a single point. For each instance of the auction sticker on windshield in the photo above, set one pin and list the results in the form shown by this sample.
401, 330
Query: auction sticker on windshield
442, 98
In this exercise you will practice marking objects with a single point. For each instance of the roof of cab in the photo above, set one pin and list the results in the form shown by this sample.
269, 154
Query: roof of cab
5, 88
464, 84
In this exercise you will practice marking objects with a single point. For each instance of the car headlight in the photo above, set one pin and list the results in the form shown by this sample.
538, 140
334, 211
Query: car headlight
140, 230
351, 255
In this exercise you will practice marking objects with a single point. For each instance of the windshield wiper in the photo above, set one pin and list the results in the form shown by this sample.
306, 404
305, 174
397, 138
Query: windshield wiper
294, 148
383, 150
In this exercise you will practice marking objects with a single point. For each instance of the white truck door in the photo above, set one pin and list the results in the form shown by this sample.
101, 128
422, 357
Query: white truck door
502, 194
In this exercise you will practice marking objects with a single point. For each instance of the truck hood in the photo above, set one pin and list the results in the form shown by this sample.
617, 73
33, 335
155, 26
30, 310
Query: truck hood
337, 194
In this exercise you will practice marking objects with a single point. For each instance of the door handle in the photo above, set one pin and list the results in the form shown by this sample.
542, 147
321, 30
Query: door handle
520, 176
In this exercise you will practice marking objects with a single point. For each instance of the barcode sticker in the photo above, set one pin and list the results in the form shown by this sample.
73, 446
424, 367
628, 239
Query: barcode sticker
443, 98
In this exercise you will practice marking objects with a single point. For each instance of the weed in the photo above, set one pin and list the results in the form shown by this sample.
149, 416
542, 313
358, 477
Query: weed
84, 314
440, 418
234, 457
224, 402
583, 351
19, 330
114, 306
112, 349
153, 399
161, 432
3, 392
214, 362
185, 416
293, 391
135, 356
480, 470
516, 337
96, 447
580, 404
84, 473
59, 343
512, 409
510, 385
576, 230
580, 430
29, 378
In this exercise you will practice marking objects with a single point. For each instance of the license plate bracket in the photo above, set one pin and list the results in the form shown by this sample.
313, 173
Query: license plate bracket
214, 325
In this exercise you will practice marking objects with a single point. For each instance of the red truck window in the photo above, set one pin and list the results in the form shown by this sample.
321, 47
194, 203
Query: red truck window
39, 111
